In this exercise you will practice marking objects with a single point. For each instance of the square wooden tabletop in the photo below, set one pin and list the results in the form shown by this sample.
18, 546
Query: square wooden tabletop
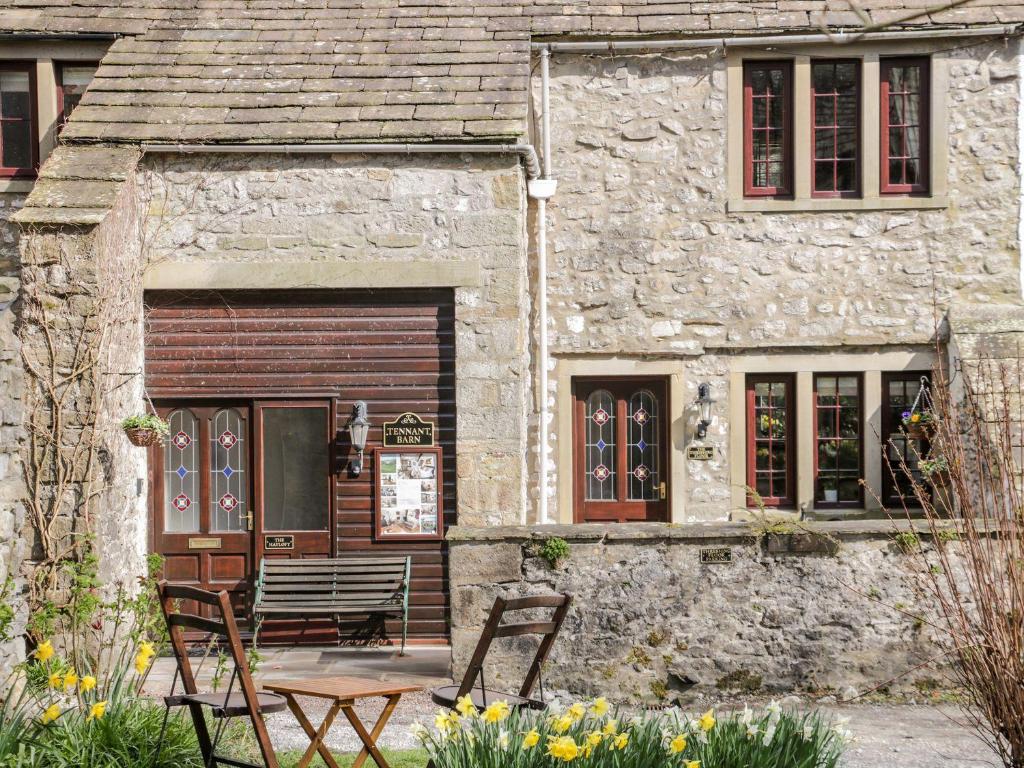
340, 687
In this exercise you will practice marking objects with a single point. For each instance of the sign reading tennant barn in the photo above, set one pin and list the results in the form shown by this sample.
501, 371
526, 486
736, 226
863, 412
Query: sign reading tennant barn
408, 430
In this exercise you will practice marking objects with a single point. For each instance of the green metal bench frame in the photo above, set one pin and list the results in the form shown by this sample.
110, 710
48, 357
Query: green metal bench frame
331, 588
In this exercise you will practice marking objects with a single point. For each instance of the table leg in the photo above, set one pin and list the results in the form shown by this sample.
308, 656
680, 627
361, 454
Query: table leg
316, 736
370, 739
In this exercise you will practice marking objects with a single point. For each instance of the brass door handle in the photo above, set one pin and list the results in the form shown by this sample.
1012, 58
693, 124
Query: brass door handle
661, 490
248, 521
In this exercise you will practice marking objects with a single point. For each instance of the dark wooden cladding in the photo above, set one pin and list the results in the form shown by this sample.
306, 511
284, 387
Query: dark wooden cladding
393, 349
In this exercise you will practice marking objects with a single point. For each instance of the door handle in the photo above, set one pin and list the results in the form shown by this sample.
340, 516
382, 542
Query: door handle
248, 521
661, 491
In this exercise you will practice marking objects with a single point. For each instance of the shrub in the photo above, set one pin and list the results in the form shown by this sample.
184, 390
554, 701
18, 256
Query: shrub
554, 550
591, 736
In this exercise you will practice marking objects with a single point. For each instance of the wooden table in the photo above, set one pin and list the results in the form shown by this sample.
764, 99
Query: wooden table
343, 692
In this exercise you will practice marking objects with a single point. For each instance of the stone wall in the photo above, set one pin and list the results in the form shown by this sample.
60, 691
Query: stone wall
379, 211
814, 612
647, 263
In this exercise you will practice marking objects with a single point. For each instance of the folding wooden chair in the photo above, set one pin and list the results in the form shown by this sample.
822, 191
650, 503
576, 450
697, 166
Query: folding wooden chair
223, 706
448, 695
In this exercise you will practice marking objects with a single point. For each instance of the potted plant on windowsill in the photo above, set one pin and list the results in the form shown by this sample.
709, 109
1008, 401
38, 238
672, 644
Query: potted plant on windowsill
919, 425
145, 429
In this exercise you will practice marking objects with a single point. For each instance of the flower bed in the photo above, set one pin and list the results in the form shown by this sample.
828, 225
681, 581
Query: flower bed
591, 735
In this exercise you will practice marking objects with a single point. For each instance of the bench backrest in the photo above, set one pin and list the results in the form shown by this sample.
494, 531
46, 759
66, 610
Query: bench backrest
349, 580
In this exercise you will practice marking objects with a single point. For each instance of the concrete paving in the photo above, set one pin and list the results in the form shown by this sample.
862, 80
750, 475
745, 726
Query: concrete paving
887, 736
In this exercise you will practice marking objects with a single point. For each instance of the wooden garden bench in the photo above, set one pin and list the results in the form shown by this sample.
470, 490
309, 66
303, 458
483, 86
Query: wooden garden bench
332, 588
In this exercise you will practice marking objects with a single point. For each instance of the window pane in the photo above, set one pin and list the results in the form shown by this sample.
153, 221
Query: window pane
836, 117
181, 475
295, 469
15, 96
838, 440
229, 476
642, 447
905, 119
767, 435
765, 115
16, 142
902, 454
600, 446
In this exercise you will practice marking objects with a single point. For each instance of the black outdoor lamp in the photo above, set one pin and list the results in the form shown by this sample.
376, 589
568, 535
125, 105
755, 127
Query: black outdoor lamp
703, 404
358, 429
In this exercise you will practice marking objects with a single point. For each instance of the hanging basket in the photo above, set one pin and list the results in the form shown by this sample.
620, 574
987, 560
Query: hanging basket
919, 431
143, 438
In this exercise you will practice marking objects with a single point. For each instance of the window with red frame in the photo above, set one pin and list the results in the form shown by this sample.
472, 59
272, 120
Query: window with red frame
18, 149
835, 125
73, 79
838, 441
767, 126
905, 126
902, 454
771, 440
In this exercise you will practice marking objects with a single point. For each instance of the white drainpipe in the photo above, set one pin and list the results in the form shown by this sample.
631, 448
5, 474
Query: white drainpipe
541, 190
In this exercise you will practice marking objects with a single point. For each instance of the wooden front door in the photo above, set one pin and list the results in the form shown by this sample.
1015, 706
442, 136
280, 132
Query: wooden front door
620, 456
238, 481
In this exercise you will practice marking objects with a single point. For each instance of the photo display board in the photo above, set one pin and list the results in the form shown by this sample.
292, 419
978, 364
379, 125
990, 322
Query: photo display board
408, 494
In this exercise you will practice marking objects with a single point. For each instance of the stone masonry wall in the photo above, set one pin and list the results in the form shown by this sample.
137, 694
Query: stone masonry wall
647, 262
343, 208
650, 623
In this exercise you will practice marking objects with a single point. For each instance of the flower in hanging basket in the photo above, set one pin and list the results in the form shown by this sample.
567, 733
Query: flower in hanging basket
918, 424
145, 429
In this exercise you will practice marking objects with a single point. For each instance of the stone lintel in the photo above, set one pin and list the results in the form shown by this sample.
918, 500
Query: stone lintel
239, 275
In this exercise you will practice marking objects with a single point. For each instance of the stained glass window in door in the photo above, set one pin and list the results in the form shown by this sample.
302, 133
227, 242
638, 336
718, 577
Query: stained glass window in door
181, 476
229, 507
642, 447
600, 446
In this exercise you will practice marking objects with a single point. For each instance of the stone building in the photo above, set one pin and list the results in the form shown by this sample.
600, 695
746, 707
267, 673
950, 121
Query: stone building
747, 231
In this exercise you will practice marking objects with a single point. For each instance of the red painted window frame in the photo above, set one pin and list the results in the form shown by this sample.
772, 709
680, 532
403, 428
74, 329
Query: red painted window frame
62, 116
33, 120
789, 381
859, 501
749, 190
924, 187
858, 159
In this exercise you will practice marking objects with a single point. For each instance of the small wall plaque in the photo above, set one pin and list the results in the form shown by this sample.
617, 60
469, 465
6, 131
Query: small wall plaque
203, 543
700, 452
408, 431
279, 542
715, 555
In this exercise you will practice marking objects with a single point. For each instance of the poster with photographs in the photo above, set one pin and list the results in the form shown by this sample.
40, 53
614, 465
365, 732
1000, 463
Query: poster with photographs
409, 493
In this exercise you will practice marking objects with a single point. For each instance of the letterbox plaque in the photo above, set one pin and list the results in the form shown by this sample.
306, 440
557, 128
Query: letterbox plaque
197, 542
715, 555
408, 431
278, 542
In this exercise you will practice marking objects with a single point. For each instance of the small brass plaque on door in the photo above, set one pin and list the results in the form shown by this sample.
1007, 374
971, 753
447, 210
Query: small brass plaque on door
279, 542
204, 543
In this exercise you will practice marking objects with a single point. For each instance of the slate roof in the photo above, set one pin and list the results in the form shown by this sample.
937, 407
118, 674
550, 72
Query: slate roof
293, 71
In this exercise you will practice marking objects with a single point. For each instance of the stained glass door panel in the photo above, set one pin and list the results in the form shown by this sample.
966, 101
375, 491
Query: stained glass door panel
620, 460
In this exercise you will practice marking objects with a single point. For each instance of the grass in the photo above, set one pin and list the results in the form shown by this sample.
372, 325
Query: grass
403, 758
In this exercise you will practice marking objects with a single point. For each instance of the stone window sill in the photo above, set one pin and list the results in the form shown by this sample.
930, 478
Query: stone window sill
753, 205
17, 185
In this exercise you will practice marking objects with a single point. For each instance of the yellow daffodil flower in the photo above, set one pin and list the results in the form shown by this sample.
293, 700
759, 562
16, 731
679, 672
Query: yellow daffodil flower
50, 714
563, 748
587, 750
530, 739
56, 680
44, 652
147, 648
693, 764
441, 722
465, 706
70, 681
141, 663
87, 683
594, 738
610, 728
599, 707
563, 723
620, 741
577, 711
496, 712
707, 721
97, 710
677, 745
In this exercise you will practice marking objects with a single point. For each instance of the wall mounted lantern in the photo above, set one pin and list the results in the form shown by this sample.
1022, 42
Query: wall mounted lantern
358, 430
703, 404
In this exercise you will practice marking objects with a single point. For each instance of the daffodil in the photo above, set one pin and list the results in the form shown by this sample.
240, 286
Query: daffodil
620, 741
141, 663
769, 734
677, 745
442, 723
577, 711
693, 764
97, 710
752, 731
50, 714
503, 740
599, 707
87, 683
147, 648
707, 721
56, 680
496, 712
44, 652
70, 680
465, 706
563, 748
419, 731
530, 739
610, 728
594, 738
562, 723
